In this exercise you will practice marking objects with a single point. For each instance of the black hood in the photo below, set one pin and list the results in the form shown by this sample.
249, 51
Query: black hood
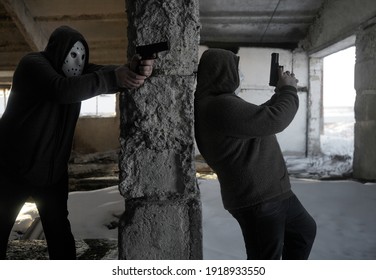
60, 43
218, 73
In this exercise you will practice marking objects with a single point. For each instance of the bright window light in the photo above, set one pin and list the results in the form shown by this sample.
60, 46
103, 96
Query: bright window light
339, 79
4, 95
103, 105
339, 99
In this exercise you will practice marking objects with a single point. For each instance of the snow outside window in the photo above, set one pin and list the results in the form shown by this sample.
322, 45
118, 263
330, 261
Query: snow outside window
103, 105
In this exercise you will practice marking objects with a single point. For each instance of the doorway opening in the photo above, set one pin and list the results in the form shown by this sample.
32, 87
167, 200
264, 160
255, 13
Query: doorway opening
337, 136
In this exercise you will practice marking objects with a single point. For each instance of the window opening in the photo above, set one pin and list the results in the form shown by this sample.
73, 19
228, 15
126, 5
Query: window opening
4, 95
103, 105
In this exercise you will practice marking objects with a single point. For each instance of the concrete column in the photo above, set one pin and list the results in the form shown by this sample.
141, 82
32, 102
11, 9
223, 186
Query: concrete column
364, 164
315, 105
162, 218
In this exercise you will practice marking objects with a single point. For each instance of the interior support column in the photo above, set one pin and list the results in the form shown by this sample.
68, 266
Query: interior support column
162, 218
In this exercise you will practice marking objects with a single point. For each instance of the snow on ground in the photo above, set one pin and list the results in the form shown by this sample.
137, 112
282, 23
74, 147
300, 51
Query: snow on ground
344, 210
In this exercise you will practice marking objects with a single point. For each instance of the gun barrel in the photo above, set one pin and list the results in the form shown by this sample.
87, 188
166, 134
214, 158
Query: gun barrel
149, 50
274, 65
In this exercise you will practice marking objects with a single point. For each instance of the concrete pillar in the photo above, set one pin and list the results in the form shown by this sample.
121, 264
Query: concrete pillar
162, 218
315, 106
364, 164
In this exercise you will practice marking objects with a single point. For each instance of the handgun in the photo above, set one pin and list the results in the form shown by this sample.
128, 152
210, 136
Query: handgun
274, 66
151, 51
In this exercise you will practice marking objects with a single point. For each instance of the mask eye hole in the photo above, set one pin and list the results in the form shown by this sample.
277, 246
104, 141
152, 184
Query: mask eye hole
83, 57
73, 54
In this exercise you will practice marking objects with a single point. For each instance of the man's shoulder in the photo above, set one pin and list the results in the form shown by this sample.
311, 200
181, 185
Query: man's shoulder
227, 97
223, 103
227, 100
31, 60
32, 57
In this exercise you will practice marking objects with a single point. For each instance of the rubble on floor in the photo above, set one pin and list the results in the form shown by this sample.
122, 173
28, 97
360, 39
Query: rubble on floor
93, 171
87, 249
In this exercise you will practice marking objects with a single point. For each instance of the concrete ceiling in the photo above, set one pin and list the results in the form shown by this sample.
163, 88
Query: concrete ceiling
25, 25
279, 23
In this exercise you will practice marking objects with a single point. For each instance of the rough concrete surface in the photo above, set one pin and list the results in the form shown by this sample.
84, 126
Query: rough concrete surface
365, 85
161, 230
162, 219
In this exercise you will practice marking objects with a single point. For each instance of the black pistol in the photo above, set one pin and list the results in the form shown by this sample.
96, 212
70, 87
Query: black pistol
274, 66
151, 51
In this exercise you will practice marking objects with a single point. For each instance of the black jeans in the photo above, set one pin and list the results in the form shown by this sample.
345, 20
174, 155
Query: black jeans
277, 229
52, 206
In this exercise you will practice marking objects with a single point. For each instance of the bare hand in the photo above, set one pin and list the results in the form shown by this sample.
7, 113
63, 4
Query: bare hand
142, 67
286, 79
135, 75
128, 79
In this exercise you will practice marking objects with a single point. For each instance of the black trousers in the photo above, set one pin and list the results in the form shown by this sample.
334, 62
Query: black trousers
52, 206
277, 229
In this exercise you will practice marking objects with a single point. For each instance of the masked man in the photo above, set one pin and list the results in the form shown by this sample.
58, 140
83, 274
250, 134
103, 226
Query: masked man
37, 127
237, 140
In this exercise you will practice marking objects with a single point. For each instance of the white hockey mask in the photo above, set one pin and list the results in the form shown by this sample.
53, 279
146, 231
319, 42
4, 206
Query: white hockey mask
75, 61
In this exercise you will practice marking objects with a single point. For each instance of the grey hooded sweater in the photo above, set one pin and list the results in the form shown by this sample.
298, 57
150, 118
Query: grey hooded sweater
37, 127
237, 138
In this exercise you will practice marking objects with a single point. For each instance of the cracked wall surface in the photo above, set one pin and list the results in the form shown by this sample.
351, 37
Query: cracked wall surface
162, 219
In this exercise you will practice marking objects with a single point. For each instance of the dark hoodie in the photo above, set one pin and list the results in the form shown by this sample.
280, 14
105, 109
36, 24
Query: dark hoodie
37, 127
237, 138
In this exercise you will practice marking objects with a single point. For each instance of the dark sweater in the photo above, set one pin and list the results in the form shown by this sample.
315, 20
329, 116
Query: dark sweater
237, 138
37, 127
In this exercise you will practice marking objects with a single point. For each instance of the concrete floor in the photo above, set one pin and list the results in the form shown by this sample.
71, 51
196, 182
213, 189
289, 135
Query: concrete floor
344, 211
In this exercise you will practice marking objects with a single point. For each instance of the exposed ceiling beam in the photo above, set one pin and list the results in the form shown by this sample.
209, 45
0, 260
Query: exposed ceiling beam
97, 17
25, 22
6, 74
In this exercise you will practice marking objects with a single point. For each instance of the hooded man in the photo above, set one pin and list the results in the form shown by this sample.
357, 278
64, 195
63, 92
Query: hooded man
37, 128
237, 139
